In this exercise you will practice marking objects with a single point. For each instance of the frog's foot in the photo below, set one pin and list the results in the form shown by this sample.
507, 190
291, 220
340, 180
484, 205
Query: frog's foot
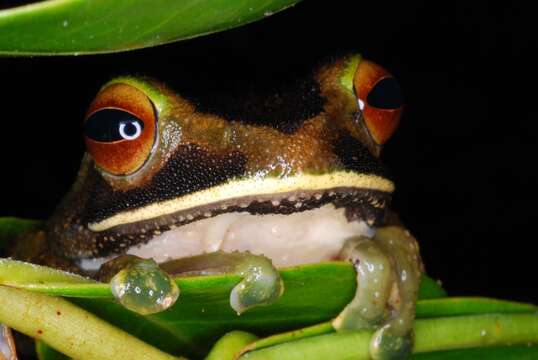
261, 283
388, 276
140, 285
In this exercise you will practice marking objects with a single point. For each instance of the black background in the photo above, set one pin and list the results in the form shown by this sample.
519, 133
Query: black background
463, 157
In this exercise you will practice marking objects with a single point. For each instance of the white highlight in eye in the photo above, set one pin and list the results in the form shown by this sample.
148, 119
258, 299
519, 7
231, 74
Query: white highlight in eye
127, 136
361, 104
248, 187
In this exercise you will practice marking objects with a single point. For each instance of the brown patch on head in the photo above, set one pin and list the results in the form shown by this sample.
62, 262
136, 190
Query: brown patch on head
272, 153
269, 151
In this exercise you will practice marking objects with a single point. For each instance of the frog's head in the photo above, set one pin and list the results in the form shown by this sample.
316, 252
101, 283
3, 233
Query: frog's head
165, 176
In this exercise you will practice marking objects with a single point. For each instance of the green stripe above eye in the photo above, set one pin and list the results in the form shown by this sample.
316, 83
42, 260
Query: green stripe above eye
348, 73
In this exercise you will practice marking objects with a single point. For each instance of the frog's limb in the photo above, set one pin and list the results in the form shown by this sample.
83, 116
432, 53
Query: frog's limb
388, 275
139, 284
395, 339
261, 283
374, 279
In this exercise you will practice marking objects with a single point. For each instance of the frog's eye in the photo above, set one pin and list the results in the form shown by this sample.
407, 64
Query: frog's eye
379, 98
120, 129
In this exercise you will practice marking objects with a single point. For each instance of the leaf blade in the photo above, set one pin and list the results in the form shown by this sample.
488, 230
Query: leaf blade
202, 313
430, 335
72, 27
515, 352
57, 322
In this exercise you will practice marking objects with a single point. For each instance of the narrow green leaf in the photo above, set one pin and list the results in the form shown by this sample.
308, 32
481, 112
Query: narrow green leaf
430, 335
315, 330
58, 323
521, 352
23, 274
457, 306
425, 309
475, 330
80, 27
230, 345
45, 352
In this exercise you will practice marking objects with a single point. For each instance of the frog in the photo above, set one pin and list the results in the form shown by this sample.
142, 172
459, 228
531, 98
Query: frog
243, 184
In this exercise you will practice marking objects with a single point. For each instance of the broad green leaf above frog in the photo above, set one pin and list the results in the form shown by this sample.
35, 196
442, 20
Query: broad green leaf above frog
222, 185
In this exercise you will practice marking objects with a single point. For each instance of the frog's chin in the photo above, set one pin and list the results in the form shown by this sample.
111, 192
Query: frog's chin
304, 237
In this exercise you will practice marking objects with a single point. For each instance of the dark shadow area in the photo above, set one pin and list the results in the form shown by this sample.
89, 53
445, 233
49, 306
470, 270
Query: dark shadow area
6, 4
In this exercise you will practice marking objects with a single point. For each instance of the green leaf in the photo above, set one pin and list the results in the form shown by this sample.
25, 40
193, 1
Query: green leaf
22, 274
457, 306
438, 309
431, 335
203, 314
230, 345
81, 27
68, 328
10, 227
45, 352
521, 352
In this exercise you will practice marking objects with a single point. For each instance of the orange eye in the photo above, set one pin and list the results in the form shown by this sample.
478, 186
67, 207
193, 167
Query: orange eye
120, 129
380, 100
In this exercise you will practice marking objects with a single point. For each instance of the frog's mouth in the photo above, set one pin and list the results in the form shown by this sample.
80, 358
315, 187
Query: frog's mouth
302, 226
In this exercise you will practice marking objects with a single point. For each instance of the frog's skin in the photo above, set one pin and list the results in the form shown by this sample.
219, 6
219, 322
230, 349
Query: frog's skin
304, 153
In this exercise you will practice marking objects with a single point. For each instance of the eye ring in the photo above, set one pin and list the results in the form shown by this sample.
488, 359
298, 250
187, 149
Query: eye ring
121, 129
379, 99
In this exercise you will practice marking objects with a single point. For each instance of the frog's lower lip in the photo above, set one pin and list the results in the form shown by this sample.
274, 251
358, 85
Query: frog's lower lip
365, 205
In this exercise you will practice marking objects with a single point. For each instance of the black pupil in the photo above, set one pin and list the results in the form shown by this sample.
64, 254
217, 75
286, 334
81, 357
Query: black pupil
109, 125
386, 94
130, 129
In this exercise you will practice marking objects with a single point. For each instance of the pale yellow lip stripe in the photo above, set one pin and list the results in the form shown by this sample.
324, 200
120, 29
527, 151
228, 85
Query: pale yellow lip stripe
248, 187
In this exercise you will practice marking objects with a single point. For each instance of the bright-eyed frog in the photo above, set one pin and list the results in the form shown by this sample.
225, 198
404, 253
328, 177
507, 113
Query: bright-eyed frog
294, 176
